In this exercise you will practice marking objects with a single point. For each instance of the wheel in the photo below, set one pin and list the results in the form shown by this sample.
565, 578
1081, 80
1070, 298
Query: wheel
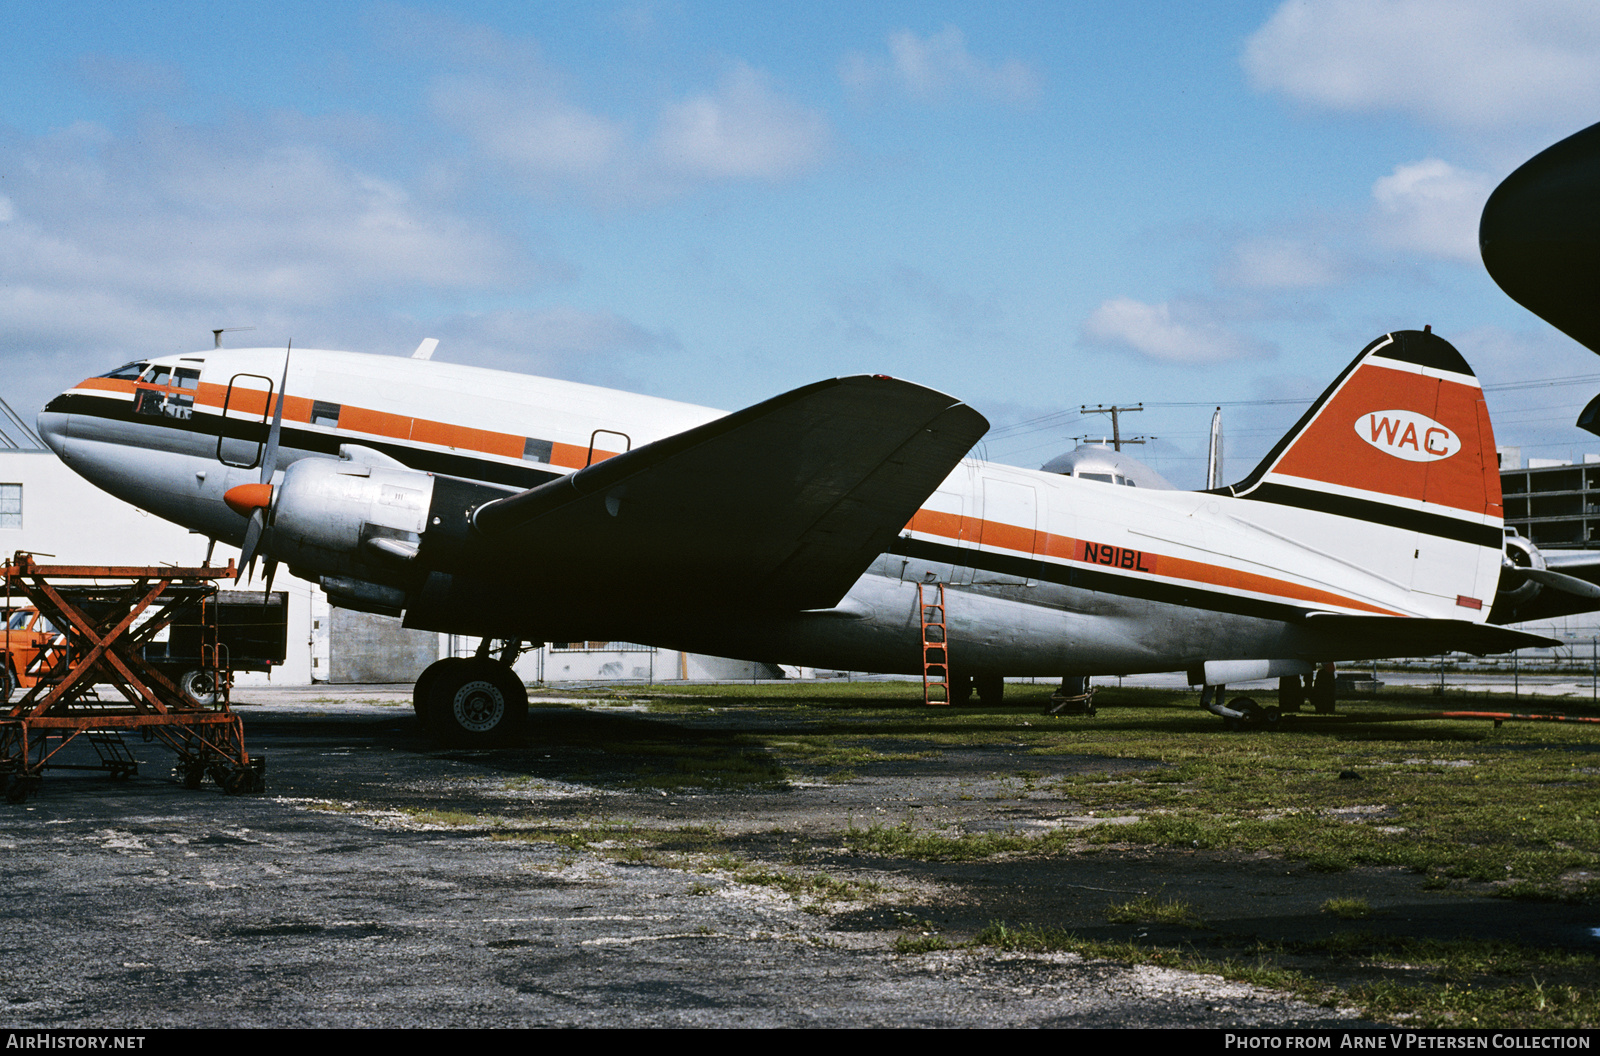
200, 687
1291, 693
477, 703
991, 688
1322, 692
7, 682
421, 692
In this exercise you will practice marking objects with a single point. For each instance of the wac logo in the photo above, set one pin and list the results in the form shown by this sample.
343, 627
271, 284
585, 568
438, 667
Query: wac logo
1408, 435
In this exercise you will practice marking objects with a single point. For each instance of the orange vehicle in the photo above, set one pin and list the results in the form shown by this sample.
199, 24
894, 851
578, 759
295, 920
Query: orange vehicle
30, 648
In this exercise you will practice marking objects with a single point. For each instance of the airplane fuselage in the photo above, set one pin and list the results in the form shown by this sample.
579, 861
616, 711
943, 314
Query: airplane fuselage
1045, 574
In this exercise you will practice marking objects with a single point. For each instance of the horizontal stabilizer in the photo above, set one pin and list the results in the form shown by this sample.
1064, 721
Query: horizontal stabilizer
781, 505
1400, 635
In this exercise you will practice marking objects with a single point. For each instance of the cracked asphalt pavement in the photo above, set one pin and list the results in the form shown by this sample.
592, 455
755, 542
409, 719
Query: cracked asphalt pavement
360, 891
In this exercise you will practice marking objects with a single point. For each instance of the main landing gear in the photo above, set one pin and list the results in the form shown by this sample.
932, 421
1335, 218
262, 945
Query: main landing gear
473, 702
1294, 691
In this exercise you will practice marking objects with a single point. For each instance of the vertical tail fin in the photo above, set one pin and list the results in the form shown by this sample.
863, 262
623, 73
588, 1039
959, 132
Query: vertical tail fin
1400, 442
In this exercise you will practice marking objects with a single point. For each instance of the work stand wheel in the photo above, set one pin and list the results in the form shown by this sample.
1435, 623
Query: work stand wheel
18, 787
242, 780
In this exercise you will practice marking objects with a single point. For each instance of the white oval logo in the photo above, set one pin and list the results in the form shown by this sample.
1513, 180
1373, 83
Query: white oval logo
1408, 435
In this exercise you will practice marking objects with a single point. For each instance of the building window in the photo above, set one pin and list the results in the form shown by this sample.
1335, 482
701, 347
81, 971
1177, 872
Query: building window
10, 505
600, 647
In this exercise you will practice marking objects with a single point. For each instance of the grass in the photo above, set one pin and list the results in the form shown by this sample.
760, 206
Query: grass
1459, 984
1454, 799
1149, 909
1510, 811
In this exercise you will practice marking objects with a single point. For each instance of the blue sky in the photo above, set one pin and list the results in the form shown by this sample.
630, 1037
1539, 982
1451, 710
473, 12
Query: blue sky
1031, 206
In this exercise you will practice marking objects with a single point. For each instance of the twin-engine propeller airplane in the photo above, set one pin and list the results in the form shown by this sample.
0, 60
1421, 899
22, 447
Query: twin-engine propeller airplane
524, 509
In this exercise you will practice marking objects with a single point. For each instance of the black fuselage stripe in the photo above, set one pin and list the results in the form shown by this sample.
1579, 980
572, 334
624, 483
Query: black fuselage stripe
308, 440
1379, 513
1093, 579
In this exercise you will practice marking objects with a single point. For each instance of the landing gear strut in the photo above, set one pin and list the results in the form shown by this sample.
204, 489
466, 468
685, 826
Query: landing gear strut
473, 702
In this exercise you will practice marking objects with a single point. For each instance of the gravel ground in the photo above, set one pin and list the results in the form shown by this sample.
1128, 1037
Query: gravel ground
329, 902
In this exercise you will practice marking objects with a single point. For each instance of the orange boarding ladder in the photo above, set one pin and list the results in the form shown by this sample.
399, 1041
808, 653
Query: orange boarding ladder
935, 644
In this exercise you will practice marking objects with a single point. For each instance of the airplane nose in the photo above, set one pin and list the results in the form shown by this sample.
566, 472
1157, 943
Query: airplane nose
54, 427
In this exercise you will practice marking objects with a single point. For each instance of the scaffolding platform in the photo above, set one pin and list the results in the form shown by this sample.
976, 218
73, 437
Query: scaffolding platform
108, 618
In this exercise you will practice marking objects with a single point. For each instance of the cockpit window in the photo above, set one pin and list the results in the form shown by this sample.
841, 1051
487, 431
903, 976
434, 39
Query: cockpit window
149, 399
127, 372
1104, 478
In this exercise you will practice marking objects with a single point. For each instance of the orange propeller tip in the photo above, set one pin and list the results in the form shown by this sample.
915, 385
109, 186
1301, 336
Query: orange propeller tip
245, 499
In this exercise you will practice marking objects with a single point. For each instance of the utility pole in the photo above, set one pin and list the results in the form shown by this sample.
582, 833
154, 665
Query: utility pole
1116, 425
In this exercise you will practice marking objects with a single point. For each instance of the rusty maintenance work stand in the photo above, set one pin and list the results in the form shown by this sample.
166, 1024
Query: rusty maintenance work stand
106, 617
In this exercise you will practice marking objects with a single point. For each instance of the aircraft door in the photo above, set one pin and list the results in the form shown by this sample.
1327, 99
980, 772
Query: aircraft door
948, 534
246, 416
1008, 534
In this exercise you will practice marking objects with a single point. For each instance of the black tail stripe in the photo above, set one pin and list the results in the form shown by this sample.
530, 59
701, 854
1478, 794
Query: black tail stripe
1380, 513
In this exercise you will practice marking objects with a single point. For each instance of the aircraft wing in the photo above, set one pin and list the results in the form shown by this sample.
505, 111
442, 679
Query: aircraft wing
781, 505
1427, 637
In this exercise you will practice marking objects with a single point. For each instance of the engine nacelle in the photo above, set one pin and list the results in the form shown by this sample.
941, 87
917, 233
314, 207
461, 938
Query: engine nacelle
347, 518
1516, 588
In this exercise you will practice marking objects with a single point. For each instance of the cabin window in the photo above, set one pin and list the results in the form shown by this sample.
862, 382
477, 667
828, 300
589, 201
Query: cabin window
10, 505
537, 450
324, 413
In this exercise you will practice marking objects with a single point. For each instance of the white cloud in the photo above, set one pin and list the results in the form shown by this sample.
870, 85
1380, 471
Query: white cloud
1431, 207
528, 129
743, 130
1461, 63
1281, 264
128, 243
1170, 334
938, 66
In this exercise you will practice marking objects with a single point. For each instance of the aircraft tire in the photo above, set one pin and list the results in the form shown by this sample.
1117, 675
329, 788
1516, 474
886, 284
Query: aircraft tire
420, 702
991, 688
478, 704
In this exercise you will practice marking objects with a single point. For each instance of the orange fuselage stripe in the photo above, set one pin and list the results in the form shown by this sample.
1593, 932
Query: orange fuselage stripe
1061, 549
252, 404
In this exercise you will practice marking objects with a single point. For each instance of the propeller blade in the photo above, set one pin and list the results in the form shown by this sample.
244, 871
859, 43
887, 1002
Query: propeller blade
1558, 581
252, 537
269, 457
271, 567
255, 500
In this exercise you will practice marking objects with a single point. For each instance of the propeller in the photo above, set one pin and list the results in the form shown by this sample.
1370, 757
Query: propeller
255, 500
1560, 581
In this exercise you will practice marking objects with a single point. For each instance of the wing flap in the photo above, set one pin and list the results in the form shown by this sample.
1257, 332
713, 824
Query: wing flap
781, 505
1394, 634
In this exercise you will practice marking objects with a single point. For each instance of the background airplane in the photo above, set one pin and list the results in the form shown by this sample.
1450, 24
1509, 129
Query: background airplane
1540, 240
